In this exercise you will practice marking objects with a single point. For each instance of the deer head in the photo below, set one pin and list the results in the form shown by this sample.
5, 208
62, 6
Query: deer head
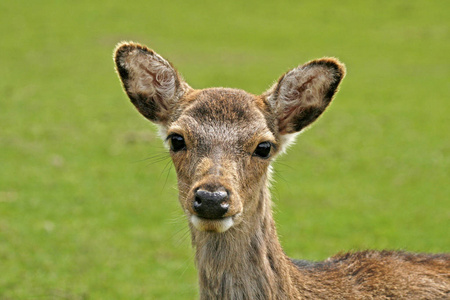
222, 141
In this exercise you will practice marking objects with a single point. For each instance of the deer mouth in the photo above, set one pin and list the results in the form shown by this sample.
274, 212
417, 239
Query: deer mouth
212, 225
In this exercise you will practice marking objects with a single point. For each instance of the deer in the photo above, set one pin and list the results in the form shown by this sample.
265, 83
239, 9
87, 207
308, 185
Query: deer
222, 142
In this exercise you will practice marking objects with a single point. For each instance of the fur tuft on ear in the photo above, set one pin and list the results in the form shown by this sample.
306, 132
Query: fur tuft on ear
151, 82
302, 94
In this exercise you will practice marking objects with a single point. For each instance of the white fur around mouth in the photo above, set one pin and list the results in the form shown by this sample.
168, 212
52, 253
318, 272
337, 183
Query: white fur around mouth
216, 225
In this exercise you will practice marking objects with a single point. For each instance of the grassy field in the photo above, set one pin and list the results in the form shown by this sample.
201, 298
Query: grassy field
89, 211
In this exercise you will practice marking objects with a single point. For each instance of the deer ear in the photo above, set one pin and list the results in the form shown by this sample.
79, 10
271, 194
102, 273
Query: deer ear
302, 94
151, 82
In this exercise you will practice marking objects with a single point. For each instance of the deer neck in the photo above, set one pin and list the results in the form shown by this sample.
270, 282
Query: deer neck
245, 262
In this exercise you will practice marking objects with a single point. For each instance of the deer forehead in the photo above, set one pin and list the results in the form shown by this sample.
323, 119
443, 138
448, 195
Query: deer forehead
220, 115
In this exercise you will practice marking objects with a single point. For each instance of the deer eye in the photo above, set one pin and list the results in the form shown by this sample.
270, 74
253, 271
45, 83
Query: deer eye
176, 142
263, 150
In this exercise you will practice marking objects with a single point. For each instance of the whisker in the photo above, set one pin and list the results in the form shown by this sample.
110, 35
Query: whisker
168, 173
279, 176
158, 160
154, 156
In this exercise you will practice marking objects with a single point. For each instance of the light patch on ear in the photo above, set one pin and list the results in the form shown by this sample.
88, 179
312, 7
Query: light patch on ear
162, 132
288, 140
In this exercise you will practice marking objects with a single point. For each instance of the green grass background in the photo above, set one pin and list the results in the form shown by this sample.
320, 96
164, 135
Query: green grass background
88, 212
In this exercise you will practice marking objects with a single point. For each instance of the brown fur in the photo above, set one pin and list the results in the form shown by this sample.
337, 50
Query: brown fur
238, 255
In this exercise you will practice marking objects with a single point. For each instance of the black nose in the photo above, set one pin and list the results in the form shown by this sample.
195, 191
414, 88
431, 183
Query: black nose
211, 205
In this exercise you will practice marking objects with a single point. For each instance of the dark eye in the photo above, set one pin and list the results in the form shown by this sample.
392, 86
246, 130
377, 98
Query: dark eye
263, 150
177, 142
